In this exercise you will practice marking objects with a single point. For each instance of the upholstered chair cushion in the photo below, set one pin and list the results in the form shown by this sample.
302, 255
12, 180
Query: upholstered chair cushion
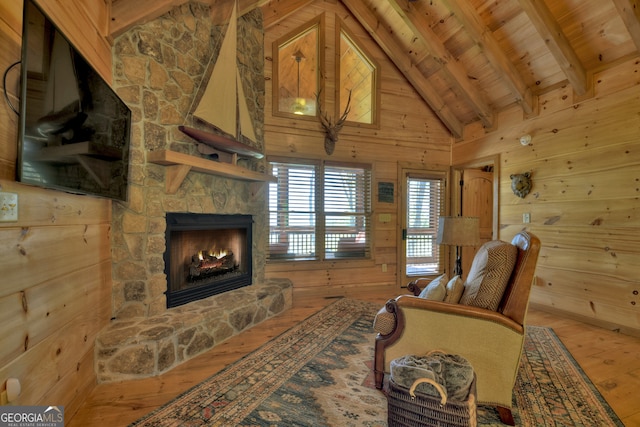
436, 289
489, 275
455, 287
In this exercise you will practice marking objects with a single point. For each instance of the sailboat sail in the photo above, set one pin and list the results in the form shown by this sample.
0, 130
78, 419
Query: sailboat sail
246, 124
224, 97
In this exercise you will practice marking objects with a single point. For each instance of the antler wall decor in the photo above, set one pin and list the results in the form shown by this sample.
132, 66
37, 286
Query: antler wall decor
331, 129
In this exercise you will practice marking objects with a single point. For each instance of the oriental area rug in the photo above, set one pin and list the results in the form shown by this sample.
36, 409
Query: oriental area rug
320, 373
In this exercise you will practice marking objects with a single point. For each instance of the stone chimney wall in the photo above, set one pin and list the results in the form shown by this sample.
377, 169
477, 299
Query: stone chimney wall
158, 70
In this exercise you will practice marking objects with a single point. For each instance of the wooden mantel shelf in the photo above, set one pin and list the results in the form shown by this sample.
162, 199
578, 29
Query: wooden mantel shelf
180, 164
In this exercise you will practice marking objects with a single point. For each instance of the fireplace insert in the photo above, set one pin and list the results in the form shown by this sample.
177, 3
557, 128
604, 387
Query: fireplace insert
206, 254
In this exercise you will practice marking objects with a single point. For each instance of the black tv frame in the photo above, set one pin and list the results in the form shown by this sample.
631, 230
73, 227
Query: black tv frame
83, 148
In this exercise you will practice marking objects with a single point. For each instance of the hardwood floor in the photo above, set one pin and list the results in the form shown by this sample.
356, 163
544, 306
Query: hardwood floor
611, 360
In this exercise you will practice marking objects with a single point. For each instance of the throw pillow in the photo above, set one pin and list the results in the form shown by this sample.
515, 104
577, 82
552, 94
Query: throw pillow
384, 323
489, 275
455, 287
436, 290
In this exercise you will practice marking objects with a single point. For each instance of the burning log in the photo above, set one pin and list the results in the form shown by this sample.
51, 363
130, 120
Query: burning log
206, 264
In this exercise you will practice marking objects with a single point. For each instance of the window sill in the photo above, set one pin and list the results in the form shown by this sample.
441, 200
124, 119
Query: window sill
275, 265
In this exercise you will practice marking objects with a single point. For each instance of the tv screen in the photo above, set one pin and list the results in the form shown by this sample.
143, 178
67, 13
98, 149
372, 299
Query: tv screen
74, 129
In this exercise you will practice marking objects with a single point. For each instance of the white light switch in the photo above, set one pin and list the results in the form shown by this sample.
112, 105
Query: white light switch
8, 207
526, 218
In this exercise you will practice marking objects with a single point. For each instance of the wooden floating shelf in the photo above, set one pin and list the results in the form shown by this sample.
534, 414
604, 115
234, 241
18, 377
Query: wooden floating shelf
180, 164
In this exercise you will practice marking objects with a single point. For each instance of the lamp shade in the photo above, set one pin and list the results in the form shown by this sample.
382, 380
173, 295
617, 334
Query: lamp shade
458, 231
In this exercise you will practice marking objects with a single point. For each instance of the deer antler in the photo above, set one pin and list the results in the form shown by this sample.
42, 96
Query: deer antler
331, 128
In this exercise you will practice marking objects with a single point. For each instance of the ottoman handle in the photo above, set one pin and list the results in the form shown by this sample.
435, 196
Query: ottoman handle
442, 391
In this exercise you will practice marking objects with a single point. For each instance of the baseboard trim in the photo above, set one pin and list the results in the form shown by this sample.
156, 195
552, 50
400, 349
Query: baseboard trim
588, 320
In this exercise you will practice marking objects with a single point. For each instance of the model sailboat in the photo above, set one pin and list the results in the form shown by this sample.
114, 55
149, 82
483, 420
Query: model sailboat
223, 104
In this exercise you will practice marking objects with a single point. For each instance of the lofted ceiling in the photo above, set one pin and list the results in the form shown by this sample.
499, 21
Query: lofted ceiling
469, 59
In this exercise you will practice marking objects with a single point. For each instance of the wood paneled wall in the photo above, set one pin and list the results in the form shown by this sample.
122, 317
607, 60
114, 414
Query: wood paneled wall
409, 132
585, 200
55, 262
10, 40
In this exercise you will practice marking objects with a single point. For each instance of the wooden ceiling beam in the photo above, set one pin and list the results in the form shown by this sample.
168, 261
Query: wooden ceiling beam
402, 60
629, 11
486, 42
276, 11
128, 13
454, 72
551, 32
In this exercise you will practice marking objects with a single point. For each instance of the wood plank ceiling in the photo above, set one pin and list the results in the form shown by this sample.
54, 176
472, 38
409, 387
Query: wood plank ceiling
469, 59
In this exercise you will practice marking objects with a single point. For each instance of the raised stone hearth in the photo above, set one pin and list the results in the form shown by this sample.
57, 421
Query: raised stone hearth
148, 346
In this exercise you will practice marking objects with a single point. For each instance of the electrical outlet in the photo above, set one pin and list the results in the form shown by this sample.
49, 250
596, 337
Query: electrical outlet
384, 268
526, 218
8, 207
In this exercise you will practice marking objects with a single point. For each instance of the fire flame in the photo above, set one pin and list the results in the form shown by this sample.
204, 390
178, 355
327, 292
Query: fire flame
219, 254
213, 254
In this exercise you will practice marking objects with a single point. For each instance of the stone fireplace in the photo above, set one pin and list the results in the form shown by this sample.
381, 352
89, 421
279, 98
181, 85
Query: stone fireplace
207, 254
158, 67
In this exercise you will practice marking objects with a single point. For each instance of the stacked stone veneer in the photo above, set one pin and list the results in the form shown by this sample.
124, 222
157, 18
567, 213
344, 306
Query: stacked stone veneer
142, 347
158, 68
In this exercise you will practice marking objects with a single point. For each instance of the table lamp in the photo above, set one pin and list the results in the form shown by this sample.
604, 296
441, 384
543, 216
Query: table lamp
458, 231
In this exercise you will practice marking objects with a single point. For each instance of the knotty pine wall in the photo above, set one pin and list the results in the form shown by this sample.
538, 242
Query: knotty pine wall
584, 205
409, 134
585, 200
55, 262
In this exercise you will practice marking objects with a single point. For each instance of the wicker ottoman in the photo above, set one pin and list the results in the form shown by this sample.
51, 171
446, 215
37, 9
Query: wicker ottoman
408, 407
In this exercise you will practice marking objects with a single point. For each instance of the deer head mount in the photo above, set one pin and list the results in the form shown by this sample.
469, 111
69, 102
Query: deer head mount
331, 129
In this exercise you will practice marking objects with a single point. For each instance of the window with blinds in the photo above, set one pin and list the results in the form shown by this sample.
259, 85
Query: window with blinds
425, 204
319, 211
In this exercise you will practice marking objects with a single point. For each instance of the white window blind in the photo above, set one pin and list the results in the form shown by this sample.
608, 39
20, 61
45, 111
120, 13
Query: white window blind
292, 211
425, 204
319, 211
347, 207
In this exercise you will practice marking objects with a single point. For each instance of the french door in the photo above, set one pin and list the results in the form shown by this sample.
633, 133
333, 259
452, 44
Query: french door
423, 202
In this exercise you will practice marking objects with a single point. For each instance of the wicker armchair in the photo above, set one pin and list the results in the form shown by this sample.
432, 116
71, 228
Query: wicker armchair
491, 341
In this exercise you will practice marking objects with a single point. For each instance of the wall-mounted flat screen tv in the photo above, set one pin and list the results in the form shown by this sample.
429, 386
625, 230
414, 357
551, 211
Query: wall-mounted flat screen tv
74, 130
